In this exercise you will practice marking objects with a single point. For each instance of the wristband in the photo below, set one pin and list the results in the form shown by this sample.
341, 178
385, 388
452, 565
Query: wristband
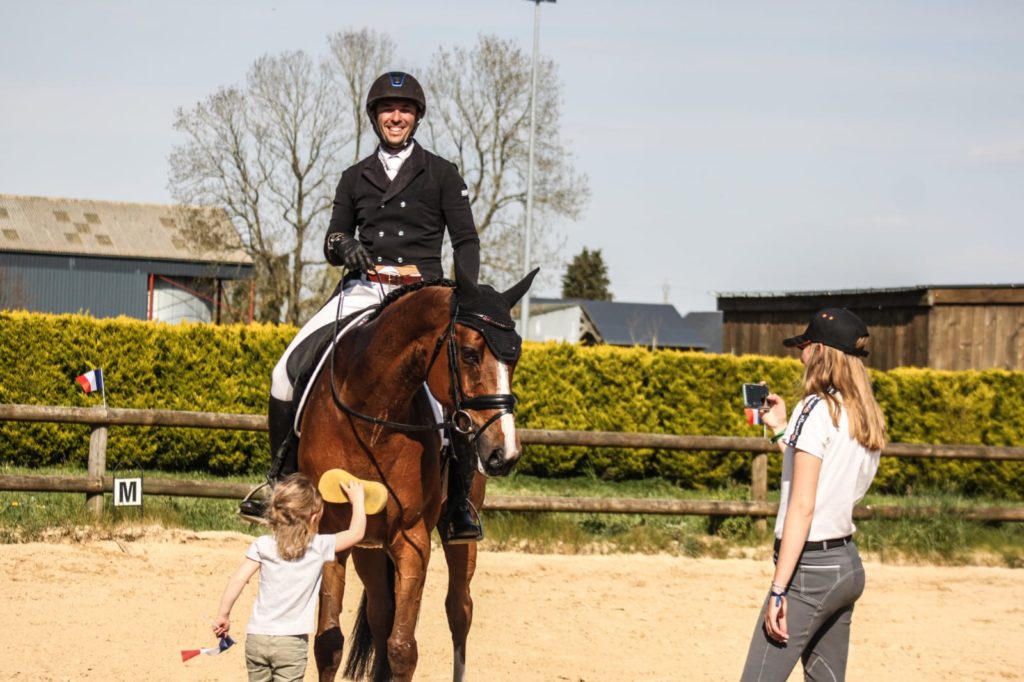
778, 436
778, 596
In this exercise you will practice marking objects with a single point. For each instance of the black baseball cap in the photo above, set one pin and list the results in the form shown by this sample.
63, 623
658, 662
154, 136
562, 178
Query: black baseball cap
836, 327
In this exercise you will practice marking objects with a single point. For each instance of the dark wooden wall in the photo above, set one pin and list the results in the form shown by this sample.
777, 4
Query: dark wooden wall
955, 329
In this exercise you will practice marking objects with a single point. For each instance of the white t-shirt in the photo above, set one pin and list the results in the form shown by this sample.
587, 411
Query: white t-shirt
285, 603
847, 468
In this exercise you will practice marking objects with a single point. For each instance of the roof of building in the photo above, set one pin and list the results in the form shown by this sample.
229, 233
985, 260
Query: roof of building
113, 229
632, 324
925, 295
849, 292
706, 326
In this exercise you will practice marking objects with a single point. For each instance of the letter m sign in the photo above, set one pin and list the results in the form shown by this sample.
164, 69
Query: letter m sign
127, 492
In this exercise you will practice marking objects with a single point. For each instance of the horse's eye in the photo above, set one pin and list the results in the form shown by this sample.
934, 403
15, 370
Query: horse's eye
470, 355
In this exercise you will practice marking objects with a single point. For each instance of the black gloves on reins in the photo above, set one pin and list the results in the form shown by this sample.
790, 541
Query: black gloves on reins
350, 252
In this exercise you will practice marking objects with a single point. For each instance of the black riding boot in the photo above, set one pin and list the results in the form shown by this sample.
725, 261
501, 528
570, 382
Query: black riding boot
283, 450
284, 443
461, 523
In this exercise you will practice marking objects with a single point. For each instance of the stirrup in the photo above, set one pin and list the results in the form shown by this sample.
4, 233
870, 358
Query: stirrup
469, 534
253, 510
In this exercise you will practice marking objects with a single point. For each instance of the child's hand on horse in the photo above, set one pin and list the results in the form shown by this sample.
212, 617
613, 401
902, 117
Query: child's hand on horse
355, 492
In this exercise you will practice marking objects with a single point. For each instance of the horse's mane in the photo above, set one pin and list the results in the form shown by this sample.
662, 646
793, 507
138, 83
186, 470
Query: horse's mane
407, 289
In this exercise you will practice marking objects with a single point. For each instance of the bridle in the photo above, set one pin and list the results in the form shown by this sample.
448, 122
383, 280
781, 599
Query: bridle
460, 421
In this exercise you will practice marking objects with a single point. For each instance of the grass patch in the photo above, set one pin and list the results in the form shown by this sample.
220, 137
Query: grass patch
33, 516
943, 538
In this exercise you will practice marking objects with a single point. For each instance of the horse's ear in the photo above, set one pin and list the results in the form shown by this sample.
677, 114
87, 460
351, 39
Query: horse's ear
516, 291
465, 284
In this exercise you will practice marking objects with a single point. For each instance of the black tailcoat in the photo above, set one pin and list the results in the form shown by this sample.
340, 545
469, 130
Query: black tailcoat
402, 221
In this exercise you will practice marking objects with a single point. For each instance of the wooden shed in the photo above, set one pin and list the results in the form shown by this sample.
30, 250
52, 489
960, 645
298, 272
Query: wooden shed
942, 327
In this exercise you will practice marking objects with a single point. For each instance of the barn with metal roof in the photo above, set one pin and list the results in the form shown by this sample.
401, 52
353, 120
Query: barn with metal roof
106, 258
616, 323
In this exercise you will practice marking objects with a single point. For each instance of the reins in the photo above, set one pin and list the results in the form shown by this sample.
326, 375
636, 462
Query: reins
460, 420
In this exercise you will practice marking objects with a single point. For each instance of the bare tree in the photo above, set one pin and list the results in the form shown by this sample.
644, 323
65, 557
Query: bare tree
479, 116
268, 154
357, 58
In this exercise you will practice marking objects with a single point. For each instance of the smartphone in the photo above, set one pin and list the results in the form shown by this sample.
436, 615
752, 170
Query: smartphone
754, 395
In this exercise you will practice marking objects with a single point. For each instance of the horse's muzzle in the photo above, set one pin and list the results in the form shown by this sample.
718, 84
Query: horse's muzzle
498, 461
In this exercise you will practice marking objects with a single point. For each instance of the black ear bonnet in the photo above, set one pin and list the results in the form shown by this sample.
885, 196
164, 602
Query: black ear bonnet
490, 315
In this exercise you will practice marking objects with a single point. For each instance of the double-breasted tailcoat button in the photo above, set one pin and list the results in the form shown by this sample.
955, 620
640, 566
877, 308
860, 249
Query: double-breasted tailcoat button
401, 233
381, 233
399, 259
380, 259
402, 204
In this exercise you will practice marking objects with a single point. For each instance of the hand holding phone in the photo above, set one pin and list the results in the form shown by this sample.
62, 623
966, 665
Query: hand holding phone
755, 396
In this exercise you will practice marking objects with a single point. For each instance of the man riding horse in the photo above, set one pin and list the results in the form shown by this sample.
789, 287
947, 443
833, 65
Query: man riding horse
401, 199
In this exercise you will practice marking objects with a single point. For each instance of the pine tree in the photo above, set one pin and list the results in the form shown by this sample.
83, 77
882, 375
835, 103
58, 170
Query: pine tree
587, 277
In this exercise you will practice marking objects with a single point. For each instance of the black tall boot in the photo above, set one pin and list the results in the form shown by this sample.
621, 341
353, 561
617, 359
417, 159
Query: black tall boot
283, 453
461, 523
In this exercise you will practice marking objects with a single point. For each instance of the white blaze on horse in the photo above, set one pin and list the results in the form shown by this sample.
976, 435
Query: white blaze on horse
368, 414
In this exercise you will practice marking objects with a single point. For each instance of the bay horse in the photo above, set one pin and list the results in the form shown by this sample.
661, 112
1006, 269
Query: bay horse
367, 413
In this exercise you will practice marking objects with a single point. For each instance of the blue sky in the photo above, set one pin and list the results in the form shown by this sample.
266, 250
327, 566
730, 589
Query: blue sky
730, 146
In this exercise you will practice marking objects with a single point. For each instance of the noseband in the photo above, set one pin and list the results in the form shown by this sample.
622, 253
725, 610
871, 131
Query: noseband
460, 421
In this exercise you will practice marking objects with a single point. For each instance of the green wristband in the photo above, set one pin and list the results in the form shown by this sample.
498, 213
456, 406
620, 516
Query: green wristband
778, 436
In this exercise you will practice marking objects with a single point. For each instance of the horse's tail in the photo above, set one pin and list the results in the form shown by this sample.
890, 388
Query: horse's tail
363, 656
360, 652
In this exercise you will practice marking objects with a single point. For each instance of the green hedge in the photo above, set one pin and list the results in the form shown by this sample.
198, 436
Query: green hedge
227, 369
145, 365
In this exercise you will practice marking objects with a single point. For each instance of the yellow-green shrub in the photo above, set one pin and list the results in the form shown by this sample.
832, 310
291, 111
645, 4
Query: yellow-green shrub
560, 386
145, 365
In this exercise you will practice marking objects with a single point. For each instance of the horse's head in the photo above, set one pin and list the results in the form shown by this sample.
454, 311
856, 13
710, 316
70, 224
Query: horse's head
481, 363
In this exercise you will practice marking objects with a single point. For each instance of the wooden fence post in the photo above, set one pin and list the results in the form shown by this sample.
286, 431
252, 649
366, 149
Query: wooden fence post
97, 467
759, 486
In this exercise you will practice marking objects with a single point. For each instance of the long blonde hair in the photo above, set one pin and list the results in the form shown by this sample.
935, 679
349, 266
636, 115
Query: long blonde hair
829, 368
292, 506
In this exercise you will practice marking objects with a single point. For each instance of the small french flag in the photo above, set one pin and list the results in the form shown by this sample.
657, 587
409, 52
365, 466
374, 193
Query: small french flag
753, 416
91, 381
224, 644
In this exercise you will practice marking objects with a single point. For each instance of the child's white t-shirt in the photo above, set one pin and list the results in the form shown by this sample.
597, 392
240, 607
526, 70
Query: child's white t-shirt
847, 468
285, 603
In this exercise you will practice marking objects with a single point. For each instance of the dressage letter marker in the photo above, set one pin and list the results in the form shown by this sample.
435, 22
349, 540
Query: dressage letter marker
127, 492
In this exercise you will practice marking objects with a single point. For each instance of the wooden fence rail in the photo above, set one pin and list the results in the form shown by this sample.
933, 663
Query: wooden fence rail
97, 482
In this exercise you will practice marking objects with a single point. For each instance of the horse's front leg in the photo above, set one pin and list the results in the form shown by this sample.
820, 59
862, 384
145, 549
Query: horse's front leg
458, 604
329, 641
411, 553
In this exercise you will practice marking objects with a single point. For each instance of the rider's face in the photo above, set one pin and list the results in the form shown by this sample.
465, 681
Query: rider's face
395, 120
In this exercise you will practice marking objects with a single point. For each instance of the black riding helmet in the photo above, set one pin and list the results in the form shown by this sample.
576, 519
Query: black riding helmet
395, 85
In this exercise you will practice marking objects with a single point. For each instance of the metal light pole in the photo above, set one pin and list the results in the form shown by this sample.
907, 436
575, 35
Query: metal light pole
524, 309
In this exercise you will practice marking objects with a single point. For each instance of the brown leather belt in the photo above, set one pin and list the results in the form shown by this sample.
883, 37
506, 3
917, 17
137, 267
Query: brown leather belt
396, 280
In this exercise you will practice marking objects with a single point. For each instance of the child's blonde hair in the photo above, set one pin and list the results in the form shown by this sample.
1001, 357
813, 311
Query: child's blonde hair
829, 368
292, 506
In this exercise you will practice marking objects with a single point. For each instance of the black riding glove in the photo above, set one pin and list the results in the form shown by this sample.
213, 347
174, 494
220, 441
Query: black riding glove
350, 252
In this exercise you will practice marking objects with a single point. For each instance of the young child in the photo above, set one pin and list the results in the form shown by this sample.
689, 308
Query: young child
290, 563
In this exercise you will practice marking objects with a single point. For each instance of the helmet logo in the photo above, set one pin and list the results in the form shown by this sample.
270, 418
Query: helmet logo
397, 79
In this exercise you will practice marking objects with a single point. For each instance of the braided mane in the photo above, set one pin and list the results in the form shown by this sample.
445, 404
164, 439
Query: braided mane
407, 289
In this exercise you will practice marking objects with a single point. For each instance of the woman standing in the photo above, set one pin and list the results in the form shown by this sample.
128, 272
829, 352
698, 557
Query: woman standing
830, 448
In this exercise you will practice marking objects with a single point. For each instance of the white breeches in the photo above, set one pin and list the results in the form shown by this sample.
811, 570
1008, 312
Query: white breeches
357, 295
